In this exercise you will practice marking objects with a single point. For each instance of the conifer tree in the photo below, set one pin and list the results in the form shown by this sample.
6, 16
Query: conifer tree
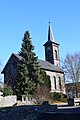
28, 77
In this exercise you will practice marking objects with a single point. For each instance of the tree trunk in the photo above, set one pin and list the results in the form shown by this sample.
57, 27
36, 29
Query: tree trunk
76, 89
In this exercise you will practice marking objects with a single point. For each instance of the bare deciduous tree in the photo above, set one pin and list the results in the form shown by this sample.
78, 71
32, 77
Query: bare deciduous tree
72, 69
41, 94
0, 73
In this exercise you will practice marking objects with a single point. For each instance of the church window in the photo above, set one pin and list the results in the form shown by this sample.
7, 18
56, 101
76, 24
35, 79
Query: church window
54, 82
59, 83
49, 55
56, 57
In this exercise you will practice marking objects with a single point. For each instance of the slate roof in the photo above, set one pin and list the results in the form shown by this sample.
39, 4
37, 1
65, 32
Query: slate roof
19, 57
50, 67
45, 65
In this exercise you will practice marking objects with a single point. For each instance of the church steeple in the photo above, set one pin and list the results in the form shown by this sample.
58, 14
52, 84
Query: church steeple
52, 49
50, 34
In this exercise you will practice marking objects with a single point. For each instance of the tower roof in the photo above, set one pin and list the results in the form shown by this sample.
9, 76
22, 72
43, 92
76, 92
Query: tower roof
50, 34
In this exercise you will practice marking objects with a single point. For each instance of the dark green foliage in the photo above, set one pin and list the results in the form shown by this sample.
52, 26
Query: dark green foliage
0, 88
46, 79
28, 77
57, 96
7, 90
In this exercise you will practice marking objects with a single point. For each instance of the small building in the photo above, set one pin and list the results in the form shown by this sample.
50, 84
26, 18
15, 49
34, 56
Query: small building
51, 65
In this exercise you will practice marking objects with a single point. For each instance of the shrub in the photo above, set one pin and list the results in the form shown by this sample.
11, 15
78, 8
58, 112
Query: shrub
41, 94
7, 90
57, 96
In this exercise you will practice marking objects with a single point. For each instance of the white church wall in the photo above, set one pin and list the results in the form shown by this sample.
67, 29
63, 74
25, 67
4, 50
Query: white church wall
57, 75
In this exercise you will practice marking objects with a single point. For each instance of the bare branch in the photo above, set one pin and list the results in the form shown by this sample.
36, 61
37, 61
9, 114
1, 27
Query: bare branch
72, 68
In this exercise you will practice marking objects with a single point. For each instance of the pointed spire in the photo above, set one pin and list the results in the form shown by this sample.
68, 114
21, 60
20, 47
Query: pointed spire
50, 33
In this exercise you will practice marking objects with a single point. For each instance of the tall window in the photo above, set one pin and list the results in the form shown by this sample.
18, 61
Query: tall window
54, 82
56, 57
60, 83
49, 55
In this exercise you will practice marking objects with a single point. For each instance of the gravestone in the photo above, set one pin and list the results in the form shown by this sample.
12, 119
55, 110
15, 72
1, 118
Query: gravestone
70, 101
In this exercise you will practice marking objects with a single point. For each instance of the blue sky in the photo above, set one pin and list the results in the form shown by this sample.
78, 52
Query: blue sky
18, 16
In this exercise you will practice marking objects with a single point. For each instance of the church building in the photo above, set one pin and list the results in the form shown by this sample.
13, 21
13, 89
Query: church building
51, 65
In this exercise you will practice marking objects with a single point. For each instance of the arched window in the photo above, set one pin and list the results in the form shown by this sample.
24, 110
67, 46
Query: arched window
60, 83
56, 57
55, 82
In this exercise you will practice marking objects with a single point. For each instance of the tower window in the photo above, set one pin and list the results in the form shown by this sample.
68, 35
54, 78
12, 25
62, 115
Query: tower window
56, 57
48, 55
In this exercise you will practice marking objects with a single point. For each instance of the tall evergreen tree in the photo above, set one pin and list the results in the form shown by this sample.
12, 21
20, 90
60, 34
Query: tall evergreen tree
28, 77
46, 79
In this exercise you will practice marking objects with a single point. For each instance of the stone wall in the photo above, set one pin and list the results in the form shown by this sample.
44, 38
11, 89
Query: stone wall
8, 100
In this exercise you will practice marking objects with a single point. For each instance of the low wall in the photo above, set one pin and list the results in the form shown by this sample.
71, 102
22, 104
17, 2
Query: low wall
28, 100
27, 112
8, 100
76, 101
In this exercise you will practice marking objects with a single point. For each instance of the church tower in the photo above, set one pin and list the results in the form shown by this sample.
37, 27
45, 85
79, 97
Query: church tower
52, 49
